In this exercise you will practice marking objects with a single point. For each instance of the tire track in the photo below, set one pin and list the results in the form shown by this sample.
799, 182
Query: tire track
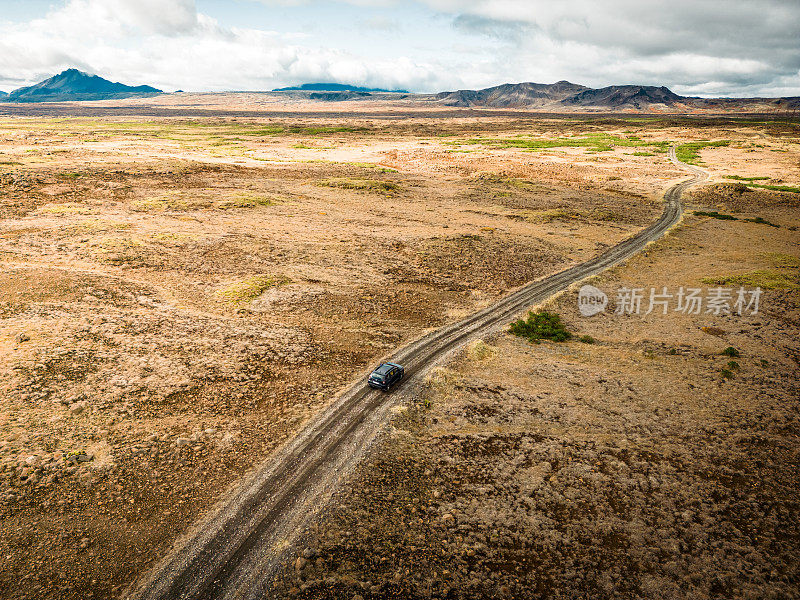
237, 547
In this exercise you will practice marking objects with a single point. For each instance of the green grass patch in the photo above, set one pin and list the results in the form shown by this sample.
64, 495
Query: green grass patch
539, 326
363, 185
593, 142
690, 152
249, 289
783, 261
777, 188
761, 221
740, 178
763, 278
731, 351
302, 146
714, 214
587, 339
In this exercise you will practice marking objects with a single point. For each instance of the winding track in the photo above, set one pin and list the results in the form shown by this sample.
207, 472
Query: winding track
233, 551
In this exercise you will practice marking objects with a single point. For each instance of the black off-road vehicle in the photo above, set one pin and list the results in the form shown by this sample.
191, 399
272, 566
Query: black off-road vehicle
385, 376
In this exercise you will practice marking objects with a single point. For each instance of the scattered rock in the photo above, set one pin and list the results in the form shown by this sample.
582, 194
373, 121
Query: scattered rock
77, 408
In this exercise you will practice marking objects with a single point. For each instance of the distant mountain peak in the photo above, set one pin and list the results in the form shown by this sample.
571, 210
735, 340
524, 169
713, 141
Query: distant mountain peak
73, 84
509, 95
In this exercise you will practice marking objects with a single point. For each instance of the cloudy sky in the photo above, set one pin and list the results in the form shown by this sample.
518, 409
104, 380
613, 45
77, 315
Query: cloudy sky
695, 47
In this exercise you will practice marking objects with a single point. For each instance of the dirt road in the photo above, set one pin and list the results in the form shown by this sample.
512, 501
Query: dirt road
233, 551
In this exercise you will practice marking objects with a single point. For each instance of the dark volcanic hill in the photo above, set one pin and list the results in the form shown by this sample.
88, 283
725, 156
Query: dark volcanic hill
77, 85
334, 87
513, 95
626, 96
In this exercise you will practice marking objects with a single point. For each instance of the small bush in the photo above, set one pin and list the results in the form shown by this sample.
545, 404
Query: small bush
733, 365
587, 339
540, 326
727, 374
730, 351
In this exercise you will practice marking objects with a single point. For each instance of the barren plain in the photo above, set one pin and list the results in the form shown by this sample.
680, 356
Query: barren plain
179, 295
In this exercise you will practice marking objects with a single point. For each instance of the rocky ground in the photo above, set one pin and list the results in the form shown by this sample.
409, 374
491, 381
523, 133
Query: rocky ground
178, 297
644, 461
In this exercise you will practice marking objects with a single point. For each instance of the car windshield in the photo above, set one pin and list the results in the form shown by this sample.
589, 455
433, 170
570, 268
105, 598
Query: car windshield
383, 369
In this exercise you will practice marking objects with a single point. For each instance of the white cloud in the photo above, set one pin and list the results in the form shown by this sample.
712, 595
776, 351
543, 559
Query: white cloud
167, 43
696, 46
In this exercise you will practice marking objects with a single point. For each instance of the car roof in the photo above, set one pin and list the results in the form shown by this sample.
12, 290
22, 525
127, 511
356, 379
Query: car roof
384, 368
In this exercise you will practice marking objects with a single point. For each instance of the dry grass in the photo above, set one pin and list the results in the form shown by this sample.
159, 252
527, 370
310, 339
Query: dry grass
362, 185
249, 289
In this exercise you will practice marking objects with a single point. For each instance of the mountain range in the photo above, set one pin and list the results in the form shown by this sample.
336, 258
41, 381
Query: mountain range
540, 95
335, 87
73, 84
563, 95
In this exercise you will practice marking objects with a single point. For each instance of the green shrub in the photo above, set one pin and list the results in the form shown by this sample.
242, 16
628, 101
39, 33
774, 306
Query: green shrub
542, 325
727, 374
731, 351
587, 339
733, 365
